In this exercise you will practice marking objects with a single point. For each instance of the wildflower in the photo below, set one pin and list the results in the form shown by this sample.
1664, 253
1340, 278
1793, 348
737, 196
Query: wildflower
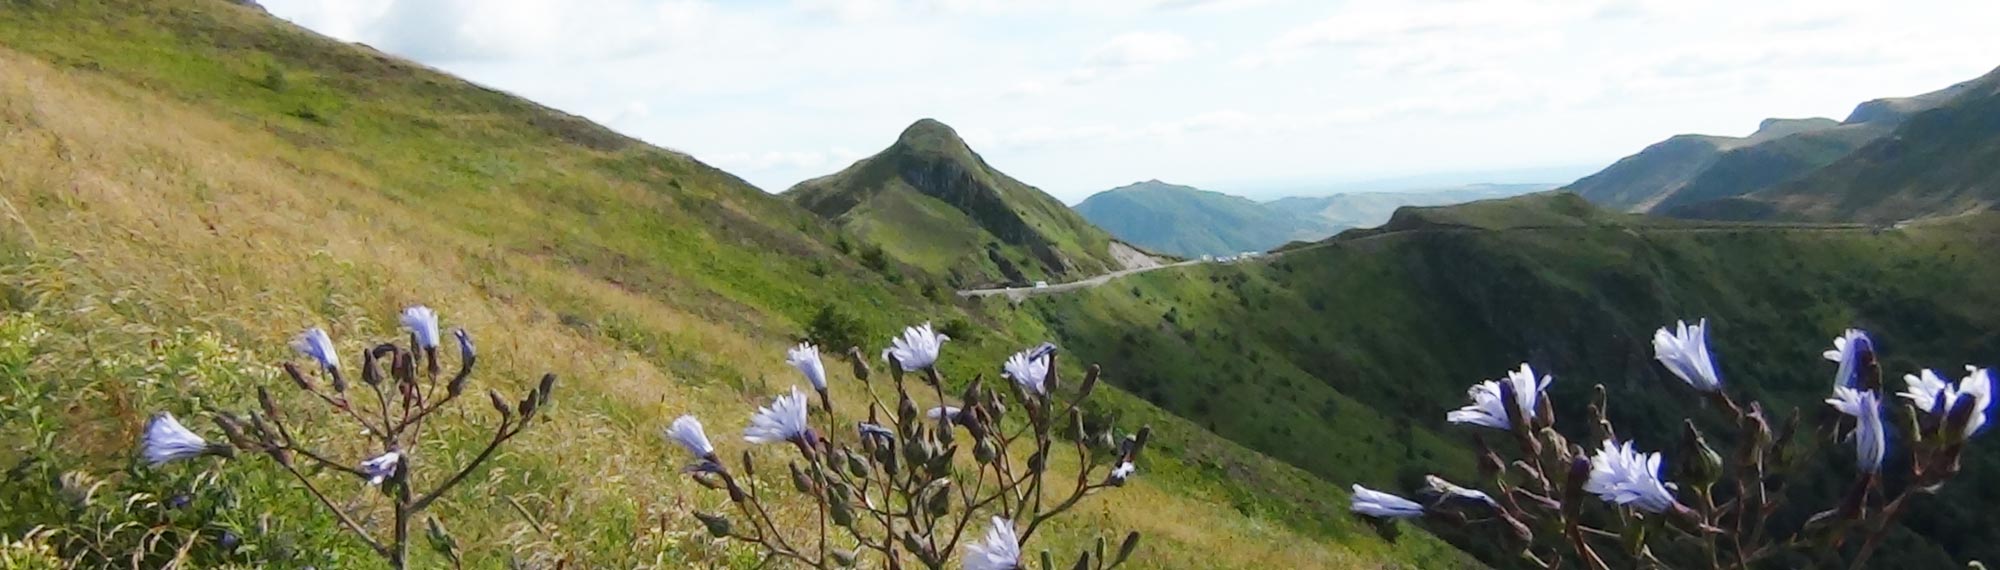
1488, 407
1625, 477
783, 420
870, 430
999, 551
1928, 391
1029, 368
805, 357
1382, 505
1121, 473
166, 441
953, 413
1854, 351
686, 431
316, 345
423, 322
465, 351
381, 467
1871, 441
1685, 353
1846, 400
1442, 491
917, 349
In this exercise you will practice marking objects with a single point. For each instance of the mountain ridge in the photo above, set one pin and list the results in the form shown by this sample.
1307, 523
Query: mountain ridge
929, 200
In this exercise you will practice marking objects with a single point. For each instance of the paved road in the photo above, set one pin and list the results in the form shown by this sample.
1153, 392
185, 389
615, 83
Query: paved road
1018, 294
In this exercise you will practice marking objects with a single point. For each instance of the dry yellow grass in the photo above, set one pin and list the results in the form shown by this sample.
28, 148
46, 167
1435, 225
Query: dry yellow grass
141, 213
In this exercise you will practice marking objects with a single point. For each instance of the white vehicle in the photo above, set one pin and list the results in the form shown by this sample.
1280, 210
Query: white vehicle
1041, 284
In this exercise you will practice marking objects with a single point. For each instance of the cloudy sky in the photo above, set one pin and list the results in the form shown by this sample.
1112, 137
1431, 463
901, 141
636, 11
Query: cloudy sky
1252, 96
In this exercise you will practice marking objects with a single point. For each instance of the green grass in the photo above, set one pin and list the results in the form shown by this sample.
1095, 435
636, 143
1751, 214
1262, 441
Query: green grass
188, 183
1343, 358
932, 202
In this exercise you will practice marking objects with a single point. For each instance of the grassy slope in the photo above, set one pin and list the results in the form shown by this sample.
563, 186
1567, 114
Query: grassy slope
188, 183
931, 201
1343, 358
1190, 222
1938, 163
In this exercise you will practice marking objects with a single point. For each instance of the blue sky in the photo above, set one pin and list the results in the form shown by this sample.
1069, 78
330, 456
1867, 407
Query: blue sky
1258, 97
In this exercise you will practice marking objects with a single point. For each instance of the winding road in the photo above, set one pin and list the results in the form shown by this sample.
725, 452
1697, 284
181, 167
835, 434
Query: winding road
1018, 294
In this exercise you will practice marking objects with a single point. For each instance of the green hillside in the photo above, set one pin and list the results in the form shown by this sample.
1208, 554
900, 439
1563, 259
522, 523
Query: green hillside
1675, 176
186, 184
1939, 162
930, 201
1312, 355
1191, 222
1370, 209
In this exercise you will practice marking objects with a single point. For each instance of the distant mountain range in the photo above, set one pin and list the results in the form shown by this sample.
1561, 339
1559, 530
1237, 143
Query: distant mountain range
1189, 222
1678, 175
1942, 161
928, 200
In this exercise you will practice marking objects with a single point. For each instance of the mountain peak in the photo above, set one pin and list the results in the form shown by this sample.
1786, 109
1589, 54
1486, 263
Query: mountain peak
930, 133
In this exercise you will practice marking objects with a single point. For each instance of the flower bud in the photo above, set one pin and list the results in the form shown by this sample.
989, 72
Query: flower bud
1700, 465
270, 407
717, 525
1130, 545
299, 379
799, 479
1082, 562
860, 364
940, 499
546, 389
1089, 382
844, 558
500, 405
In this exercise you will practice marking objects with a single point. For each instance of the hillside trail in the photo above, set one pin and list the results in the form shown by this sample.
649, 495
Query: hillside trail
1018, 294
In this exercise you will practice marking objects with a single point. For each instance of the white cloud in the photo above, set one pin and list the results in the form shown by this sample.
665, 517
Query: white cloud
1079, 96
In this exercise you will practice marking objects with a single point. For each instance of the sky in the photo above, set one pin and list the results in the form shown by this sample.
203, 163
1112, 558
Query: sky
1255, 97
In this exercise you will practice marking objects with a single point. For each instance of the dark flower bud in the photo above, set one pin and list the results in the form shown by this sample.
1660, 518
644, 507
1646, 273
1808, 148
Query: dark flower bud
1082, 562
1490, 464
500, 405
1076, 431
906, 412
298, 378
1090, 375
233, 431
749, 467
860, 364
527, 406
371, 373
1545, 413
546, 388
1699, 464
1139, 442
1126, 549
800, 481
982, 451
843, 558
940, 498
1573, 495
841, 512
270, 406
717, 525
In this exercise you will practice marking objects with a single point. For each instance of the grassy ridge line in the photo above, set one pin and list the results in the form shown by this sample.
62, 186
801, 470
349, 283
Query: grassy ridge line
155, 184
1273, 354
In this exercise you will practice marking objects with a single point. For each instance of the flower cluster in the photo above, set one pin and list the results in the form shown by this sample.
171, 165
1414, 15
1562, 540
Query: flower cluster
894, 486
1725, 506
412, 390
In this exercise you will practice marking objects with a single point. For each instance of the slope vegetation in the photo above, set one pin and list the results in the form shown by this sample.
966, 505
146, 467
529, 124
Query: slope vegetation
1342, 357
1685, 170
1940, 162
930, 201
187, 183
1191, 222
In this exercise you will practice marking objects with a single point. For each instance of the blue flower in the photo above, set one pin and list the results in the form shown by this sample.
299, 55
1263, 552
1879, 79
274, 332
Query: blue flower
381, 467
1853, 350
1382, 505
316, 345
805, 357
783, 420
1625, 477
1685, 353
1030, 369
687, 432
917, 349
1871, 441
1000, 550
423, 322
166, 441
1488, 407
